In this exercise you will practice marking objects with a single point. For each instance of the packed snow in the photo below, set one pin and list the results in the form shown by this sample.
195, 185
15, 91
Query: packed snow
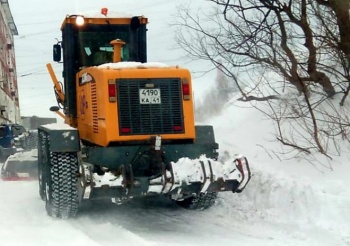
25, 155
289, 202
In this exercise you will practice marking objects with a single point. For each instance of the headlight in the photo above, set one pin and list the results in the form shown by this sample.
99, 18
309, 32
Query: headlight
79, 20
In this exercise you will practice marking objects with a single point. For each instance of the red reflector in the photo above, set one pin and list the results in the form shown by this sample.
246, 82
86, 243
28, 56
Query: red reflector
112, 91
126, 130
177, 128
186, 89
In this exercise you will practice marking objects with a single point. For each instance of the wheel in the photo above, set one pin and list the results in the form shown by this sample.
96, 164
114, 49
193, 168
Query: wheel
199, 202
30, 141
43, 164
61, 185
41, 187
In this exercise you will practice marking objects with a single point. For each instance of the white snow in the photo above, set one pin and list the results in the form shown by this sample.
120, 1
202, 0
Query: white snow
185, 166
25, 155
58, 126
135, 65
108, 179
286, 203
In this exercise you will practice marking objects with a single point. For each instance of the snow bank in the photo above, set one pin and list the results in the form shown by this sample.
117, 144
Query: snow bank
294, 193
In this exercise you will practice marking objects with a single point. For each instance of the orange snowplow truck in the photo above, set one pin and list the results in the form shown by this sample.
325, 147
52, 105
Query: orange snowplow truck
130, 128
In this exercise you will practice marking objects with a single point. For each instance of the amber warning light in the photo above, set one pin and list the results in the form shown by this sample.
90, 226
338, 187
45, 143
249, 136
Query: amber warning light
104, 11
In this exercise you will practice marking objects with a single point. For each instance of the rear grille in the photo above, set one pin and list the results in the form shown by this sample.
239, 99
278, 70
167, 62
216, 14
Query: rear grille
136, 118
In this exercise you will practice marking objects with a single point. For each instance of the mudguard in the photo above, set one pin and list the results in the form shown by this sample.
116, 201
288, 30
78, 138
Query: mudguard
66, 138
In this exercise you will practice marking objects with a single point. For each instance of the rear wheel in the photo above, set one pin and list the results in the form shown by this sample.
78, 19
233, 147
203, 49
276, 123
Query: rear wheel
43, 162
199, 202
61, 185
41, 187
30, 141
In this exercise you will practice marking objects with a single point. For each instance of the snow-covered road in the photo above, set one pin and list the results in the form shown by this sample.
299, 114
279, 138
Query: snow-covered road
286, 203
235, 218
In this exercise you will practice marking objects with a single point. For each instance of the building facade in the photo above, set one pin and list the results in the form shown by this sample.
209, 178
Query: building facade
9, 101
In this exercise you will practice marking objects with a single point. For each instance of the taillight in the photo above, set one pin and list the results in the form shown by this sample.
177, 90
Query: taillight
177, 128
126, 130
185, 89
112, 90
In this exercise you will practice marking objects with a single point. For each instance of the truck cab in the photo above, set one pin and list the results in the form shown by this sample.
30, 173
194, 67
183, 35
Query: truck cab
86, 42
8, 133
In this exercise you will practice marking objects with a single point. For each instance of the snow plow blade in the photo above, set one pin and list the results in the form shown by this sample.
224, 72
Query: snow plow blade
203, 175
22, 166
185, 177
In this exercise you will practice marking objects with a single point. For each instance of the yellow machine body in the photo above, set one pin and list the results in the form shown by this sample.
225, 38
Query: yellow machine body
131, 130
98, 120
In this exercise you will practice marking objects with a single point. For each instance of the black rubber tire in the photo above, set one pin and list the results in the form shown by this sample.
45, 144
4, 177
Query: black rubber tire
43, 164
31, 141
61, 186
199, 202
41, 187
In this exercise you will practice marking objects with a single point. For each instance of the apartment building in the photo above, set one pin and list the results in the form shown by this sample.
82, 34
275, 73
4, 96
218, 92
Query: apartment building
9, 101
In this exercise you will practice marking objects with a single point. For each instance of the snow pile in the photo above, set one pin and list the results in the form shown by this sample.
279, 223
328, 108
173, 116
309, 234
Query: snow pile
108, 179
31, 155
305, 206
291, 193
189, 171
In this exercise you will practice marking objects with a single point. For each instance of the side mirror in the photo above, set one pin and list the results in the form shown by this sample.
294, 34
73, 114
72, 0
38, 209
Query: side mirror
54, 109
57, 52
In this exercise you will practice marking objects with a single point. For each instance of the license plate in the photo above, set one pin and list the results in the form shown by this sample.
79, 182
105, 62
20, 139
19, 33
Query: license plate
150, 96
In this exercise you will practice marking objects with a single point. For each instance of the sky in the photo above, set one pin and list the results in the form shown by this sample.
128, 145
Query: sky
288, 203
39, 28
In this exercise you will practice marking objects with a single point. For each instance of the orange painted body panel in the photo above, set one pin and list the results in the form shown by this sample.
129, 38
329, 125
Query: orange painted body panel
98, 117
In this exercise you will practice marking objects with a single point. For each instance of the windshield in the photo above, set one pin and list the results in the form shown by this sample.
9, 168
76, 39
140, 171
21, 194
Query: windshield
95, 49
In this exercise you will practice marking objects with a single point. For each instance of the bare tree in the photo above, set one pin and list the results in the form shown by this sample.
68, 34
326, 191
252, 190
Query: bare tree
295, 51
